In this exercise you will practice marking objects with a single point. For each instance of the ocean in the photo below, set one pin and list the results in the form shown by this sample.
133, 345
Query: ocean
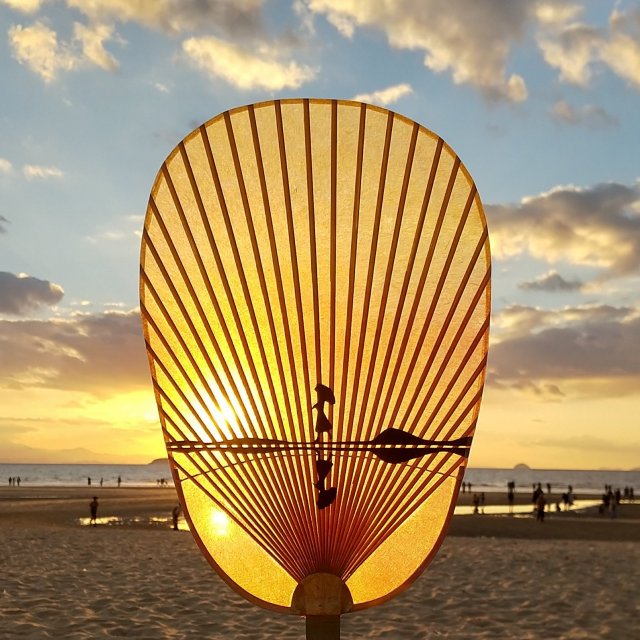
149, 475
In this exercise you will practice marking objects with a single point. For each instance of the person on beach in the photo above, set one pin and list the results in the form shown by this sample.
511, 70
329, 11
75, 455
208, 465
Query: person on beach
174, 516
476, 503
93, 510
540, 504
119, 481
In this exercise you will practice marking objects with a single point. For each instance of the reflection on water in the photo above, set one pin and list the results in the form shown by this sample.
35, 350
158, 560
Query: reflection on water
220, 521
521, 509
153, 521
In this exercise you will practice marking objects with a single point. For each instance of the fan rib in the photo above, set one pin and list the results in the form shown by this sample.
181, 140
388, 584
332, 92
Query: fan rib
288, 562
380, 500
302, 467
241, 333
265, 492
205, 277
201, 313
239, 504
312, 239
435, 299
335, 525
420, 288
372, 486
353, 466
444, 330
306, 401
405, 284
257, 496
356, 504
178, 335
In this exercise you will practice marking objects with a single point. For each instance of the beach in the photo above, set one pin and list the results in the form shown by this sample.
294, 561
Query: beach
577, 575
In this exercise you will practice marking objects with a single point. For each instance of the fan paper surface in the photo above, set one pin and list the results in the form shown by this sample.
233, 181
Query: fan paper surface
315, 293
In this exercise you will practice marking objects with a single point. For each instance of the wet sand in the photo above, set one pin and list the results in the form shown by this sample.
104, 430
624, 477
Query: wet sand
577, 575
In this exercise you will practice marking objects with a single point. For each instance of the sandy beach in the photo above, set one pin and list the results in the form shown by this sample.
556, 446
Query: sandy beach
577, 575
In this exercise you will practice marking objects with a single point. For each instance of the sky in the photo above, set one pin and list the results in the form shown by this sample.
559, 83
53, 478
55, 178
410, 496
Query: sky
539, 99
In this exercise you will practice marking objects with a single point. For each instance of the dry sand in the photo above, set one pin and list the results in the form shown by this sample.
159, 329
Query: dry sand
575, 576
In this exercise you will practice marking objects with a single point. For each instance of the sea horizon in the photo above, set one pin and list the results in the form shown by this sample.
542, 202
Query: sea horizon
158, 473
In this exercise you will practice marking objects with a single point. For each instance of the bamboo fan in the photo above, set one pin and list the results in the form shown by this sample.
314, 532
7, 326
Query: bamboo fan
315, 292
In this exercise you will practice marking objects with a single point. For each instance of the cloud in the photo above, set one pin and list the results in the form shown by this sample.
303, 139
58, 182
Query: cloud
3, 222
385, 96
99, 354
245, 70
575, 49
92, 39
557, 13
37, 46
468, 39
552, 282
26, 6
571, 50
597, 226
588, 115
5, 165
233, 17
36, 171
20, 294
589, 344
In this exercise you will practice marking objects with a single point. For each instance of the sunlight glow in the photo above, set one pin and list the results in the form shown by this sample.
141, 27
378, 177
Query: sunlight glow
219, 522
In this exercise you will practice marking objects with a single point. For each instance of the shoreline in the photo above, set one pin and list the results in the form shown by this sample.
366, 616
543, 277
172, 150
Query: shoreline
150, 507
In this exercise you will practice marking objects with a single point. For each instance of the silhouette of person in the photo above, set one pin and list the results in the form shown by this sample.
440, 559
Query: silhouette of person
18, 480
89, 482
101, 481
93, 509
476, 502
174, 516
119, 481
540, 504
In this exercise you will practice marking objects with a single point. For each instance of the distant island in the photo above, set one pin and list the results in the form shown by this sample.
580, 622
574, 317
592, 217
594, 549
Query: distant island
522, 467
159, 461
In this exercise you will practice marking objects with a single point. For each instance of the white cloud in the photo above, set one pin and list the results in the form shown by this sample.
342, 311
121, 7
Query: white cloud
26, 6
5, 165
385, 96
597, 226
37, 171
92, 39
576, 49
470, 40
557, 13
245, 70
37, 46
571, 51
